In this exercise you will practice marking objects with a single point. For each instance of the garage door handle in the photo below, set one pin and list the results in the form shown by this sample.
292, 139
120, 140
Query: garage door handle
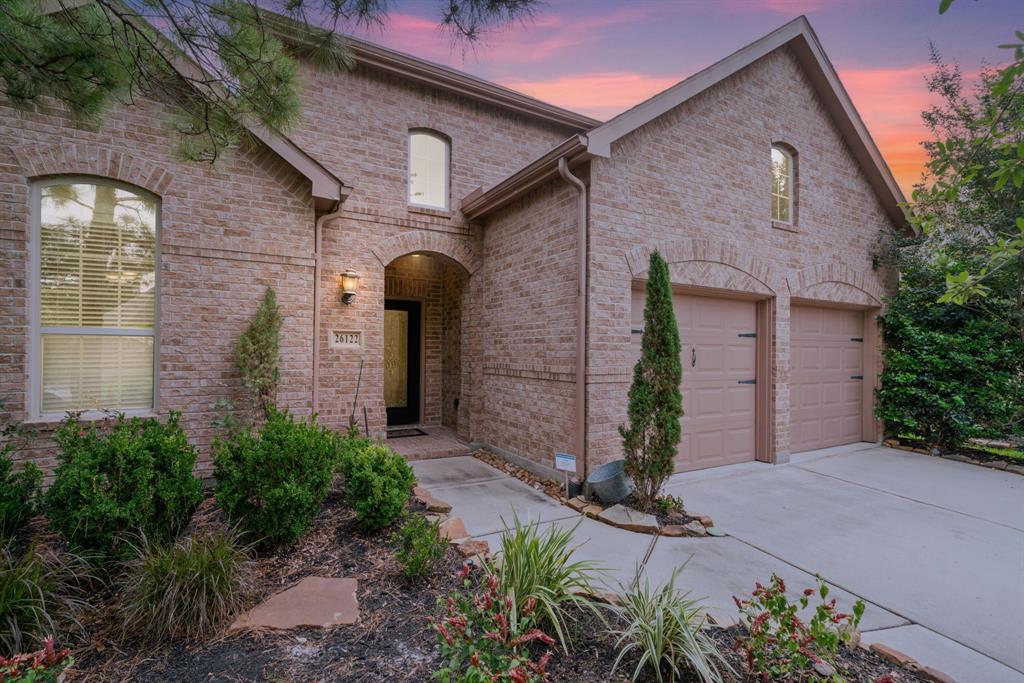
746, 381
693, 357
856, 376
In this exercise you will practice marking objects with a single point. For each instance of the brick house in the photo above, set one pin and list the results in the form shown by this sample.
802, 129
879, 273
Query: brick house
501, 245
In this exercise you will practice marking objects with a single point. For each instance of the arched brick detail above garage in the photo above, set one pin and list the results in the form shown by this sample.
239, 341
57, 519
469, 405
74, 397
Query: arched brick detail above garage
93, 160
708, 263
426, 241
836, 283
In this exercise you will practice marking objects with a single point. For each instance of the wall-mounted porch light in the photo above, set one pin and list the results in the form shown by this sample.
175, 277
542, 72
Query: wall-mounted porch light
349, 286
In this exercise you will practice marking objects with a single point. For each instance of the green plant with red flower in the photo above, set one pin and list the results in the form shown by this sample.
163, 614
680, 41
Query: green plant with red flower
43, 666
479, 642
780, 645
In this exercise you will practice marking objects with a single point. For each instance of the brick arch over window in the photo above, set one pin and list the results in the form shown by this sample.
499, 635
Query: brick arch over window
456, 249
90, 159
715, 263
837, 283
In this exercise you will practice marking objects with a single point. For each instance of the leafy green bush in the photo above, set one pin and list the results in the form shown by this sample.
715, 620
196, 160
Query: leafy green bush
19, 495
42, 592
780, 646
351, 446
256, 355
536, 569
187, 589
135, 476
655, 402
420, 546
44, 666
378, 484
666, 628
273, 481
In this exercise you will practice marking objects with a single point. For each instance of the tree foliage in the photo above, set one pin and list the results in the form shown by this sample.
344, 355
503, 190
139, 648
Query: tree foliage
257, 353
226, 63
655, 402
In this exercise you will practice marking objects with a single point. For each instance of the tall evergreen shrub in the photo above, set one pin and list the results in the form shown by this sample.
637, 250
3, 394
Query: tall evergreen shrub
655, 402
256, 355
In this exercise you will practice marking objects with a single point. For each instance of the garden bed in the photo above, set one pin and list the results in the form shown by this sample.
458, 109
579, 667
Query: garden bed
1007, 459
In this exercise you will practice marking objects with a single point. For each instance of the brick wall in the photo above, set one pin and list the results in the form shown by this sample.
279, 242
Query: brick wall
695, 183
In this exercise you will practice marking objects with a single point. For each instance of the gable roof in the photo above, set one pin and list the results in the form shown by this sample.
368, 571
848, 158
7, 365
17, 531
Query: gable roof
800, 37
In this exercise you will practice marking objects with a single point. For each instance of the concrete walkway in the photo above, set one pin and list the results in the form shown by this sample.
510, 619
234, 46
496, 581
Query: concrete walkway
935, 547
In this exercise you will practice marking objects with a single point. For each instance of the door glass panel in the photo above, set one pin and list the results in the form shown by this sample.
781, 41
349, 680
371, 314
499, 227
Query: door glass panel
396, 359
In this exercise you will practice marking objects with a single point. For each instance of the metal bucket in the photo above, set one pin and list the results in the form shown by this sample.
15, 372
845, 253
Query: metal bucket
610, 483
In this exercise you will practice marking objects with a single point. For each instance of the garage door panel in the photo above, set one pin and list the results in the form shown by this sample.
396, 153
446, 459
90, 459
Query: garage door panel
828, 359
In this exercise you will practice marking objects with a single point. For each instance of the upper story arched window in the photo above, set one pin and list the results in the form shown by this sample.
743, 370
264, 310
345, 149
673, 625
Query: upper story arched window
93, 296
783, 184
429, 169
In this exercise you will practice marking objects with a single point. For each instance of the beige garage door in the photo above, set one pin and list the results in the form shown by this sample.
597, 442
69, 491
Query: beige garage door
827, 377
718, 356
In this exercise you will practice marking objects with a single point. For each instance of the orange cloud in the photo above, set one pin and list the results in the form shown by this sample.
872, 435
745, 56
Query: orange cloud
601, 95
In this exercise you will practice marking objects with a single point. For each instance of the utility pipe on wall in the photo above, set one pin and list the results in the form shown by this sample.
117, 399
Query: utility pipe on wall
317, 271
581, 316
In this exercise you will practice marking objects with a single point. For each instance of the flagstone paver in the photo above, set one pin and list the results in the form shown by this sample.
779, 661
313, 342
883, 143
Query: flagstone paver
316, 601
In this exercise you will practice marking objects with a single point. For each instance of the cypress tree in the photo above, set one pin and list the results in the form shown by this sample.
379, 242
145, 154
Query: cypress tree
256, 355
655, 402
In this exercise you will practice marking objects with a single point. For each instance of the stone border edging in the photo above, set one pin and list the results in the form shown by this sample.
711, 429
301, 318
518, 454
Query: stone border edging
905, 661
997, 464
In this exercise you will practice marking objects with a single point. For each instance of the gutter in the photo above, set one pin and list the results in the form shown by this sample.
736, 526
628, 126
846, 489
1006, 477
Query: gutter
318, 231
581, 315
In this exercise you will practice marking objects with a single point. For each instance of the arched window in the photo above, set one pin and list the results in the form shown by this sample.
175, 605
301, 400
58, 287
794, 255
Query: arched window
94, 294
429, 155
783, 187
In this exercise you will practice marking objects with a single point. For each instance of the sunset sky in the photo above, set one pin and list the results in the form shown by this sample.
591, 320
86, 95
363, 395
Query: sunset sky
600, 57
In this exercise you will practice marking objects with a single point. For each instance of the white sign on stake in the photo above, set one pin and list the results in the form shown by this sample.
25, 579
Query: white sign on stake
565, 462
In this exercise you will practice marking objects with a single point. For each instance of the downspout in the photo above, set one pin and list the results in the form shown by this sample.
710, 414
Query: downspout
581, 316
317, 271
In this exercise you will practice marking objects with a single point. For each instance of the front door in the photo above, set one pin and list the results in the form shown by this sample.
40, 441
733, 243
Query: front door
402, 361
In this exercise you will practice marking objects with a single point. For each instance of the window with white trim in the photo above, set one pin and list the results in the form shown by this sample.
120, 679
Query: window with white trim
429, 155
94, 294
782, 184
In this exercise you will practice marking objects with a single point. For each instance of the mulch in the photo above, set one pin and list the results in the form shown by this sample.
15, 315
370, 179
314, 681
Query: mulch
391, 642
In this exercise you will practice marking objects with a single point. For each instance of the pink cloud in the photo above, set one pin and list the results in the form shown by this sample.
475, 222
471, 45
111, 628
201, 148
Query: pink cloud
601, 95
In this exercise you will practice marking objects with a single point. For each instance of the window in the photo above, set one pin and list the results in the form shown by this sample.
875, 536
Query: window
428, 170
94, 279
782, 185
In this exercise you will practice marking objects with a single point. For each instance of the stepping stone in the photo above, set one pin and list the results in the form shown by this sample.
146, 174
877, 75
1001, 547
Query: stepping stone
316, 601
629, 519
471, 548
454, 529
715, 531
695, 528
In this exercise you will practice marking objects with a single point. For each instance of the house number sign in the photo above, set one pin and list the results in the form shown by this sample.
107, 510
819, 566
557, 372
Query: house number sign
346, 340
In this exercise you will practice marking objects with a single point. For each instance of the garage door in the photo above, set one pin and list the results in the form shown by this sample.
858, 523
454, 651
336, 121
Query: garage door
718, 356
827, 371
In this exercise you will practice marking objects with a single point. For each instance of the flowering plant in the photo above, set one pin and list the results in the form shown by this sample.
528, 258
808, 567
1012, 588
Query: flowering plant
43, 666
780, 645
479, 642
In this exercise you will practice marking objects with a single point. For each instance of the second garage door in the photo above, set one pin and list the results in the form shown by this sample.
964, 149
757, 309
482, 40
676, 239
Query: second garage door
826, 400
718, 350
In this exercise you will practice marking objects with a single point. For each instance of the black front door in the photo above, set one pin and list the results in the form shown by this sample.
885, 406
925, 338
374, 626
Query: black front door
402, 361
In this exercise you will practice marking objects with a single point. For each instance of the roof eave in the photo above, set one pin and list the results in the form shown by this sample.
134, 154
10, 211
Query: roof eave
479, 204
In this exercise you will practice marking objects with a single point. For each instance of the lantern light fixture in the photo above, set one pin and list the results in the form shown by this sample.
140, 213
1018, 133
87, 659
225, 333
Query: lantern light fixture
349, 286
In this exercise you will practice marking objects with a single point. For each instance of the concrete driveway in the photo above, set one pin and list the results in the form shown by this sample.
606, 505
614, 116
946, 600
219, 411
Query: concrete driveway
935, 547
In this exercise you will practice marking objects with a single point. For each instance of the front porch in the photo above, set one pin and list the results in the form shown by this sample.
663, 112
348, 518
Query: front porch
431, 442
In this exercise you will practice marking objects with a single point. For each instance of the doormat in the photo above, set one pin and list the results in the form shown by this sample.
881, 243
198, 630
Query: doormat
401, 433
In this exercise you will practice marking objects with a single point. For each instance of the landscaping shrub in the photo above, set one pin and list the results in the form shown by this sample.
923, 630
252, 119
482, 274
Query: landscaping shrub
42, 592
135, 476
43, 666
378, 484
536, 572
655, 402
666, 628
483, 638
272, 481
420, 546
780, 646
187, 589
349, 447
19, 495
256, 355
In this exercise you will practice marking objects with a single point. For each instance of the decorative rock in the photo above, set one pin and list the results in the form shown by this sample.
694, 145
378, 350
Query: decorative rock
471, 548
706, 521
593, 511
629, 519
454, 529
695, 528
316, 601
433, 504
577, 504
1019, 469
824, 669
715, 531
892, 655
935, 676
672, 530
